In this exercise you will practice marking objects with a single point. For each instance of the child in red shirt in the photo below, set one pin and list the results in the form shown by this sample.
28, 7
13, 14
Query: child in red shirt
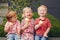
42, 24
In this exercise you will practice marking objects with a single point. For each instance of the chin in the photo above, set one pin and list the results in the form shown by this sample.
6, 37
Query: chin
29, 17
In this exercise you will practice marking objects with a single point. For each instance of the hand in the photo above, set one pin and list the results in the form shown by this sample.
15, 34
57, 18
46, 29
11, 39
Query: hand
10, 24
26, 23
18, 34
45, 35
40, 22
26, 19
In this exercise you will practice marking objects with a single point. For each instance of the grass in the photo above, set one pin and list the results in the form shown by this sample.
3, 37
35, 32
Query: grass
55, 31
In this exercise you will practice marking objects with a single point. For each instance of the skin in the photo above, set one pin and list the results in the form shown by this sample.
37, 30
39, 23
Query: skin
28, 16
42, 11
14, 18
10, 25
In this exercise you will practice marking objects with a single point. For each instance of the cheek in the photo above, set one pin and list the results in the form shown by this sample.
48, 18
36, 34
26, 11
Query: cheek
26, 14
40, 12
13, 20
45, 12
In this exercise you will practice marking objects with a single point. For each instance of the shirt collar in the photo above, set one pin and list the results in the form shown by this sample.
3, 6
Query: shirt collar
42, 19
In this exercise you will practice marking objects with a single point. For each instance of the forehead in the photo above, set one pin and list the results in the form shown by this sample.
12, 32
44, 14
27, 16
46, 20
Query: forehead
28, 10
12, 13
42, 8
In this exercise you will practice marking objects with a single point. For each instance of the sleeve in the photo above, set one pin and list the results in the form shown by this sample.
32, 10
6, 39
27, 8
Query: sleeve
49, 24
22, 24
19, 25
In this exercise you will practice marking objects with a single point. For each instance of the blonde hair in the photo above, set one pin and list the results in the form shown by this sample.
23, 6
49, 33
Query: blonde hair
24, 9
42, 6
10, 14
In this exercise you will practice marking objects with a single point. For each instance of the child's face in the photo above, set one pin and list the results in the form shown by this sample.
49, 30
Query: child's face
28, 14
42, 11
14, 18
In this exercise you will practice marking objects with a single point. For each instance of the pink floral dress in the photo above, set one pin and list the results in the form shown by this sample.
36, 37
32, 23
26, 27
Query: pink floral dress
28, 33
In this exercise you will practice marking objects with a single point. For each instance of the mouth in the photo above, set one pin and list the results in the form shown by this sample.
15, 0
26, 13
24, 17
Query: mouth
42, 13
29, 15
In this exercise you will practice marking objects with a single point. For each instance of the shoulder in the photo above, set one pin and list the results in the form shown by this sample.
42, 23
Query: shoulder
37, 19
7, 23
47, 19
23, 19
18, 21
48, 22
32, 19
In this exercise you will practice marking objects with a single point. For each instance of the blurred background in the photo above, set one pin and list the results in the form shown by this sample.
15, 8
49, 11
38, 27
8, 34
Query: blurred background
18, 5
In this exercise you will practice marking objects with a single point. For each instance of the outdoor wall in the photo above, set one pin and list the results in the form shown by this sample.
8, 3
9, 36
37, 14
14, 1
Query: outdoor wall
53, 7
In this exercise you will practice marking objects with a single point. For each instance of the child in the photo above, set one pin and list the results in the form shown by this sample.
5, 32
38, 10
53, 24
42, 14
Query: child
27, 25
12, 26
42, 24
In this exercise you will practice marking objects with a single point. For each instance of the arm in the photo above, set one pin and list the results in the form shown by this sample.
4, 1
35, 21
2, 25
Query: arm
24, 25
46, 33
6, 29
8, 25
18, 28
48, 29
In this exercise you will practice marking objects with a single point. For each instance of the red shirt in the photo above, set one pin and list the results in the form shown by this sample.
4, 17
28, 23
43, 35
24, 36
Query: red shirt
42, 29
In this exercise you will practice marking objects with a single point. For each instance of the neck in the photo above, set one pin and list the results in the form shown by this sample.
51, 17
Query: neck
42, 17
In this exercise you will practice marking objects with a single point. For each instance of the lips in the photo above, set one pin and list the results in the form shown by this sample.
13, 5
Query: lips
29, 15
42, 13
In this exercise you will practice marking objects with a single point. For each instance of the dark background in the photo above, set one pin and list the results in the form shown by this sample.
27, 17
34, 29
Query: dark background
53, 6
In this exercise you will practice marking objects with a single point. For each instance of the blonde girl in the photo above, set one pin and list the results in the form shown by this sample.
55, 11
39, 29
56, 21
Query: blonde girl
27, 24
